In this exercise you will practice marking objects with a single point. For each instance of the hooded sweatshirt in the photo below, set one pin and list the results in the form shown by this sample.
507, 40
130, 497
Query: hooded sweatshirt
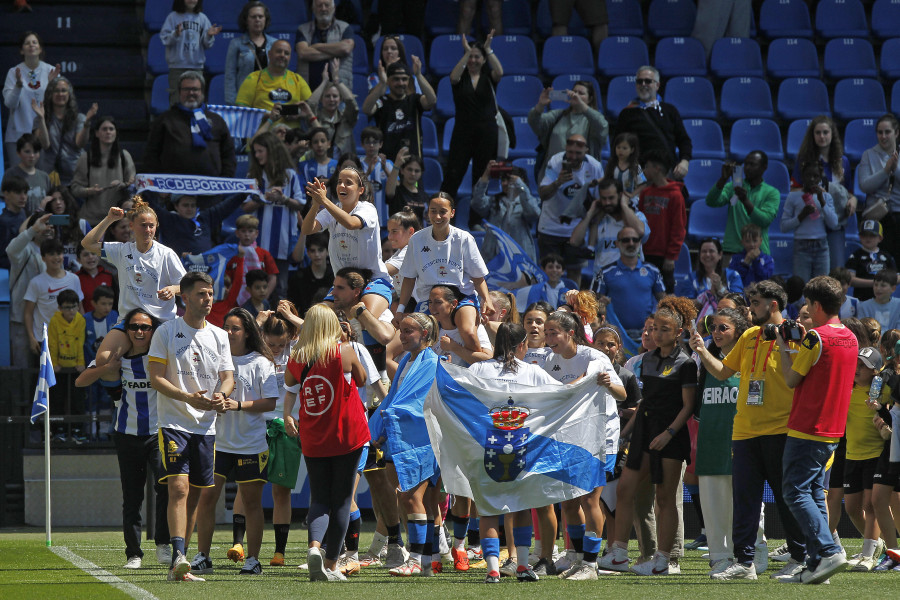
667, 218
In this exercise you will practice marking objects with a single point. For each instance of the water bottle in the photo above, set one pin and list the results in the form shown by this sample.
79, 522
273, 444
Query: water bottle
875, 389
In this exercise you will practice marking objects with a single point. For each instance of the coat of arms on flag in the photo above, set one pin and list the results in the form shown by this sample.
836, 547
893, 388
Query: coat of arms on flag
506, 444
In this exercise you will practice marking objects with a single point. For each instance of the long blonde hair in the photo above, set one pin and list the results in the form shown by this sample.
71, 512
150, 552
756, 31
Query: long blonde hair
319, 336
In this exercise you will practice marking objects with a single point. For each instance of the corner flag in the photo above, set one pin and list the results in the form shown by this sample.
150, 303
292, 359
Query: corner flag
46, 380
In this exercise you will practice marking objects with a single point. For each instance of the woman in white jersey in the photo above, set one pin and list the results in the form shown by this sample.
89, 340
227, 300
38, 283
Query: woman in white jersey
401, 227
451, 346
444, 255
241, 449
355, 235
149, 273
572, 359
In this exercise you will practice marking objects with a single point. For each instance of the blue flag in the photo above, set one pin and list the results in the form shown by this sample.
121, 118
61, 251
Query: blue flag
629, 345
511, 262
46, 380
213, 263
242, 121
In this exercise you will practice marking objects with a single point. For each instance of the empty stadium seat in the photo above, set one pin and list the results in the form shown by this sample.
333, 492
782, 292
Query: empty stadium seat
518, 93
544, 23
286, 14
216, 93
619, 93
859, 98
159, 95
625, 17
859, 136
746, 97
756, 134
445, 106
621, 55
526, 140
564, 54
885, 16
802, 97
448, 133
736, 57
413, 47
155, 14
890, 58
671, 18
516, 18
215, 56
841, 18
777, 175
517, 54
433, 176
683, 267
706, 138
792, 57
692, 96
156, 56
362, 121
785, 18
702, 176
680, 56
429, 138
782, 251
446, 50
566, 82
706, 222
361, 64
360, 87
895, 97
849, 57
796, 131
441, 17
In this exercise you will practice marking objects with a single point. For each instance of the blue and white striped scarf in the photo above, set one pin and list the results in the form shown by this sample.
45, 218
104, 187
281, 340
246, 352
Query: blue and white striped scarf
201, 130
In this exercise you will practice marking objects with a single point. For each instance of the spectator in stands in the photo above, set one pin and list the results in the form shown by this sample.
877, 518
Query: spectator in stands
398, 113
757, 201
313, 281
474, 136
43, 289
393, 50
632, 285
752, 264
61, 129
514, 209
103, 172
186, 33
822, 144
566, 173
711, 275
62, 203
807, 213
657, 124
868, 260
24, 84
582, 117
254, 257
404, 188
721, 18
626, 166
319, 164
553, 291
250, 51
883, 307
322, 40
188, 138
92, 276
849, 304
188, 230
468, 10
323, 110
377, 168
608, 212
28, 148
274, 86
15, 195
24, 252
662, 202
593, 15
880, 179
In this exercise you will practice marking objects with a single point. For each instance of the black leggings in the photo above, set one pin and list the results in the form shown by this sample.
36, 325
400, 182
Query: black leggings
331, 481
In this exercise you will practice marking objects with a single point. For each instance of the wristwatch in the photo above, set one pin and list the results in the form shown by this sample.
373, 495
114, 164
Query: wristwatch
671, 431
359, 311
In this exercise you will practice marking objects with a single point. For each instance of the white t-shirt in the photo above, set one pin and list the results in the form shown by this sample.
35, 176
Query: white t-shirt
358, 248
527, 373
193, 358
372, 374
454, 335
455, 261
281, 362
142, 275
552, 208
537, 356
241, 432
43, 291
397, 261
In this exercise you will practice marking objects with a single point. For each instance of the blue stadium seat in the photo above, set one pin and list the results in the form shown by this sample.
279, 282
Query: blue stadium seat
736, 57
859, 136
445, 106
859, 98
448, 133
156, 56
362, 121
517, 54
155, 14
706, 138
528, 165
792, 57
565, 54
895, 98
526, 140
464, 190
433, 176
286, 14
801, 97
756, 134
706, 222
777, 175
841, 18
890, 58
746, 97
701, 178
413, 46
544, 23
692, 96
215, 56
361, 65
796, 131
159, 95
441, 17
446, 51
683, 265
429, 138
216, 93
680, 56
671, 18
360, 87
625, 17
852, 229
885, 16
785, 18
619, 93
782, 251
518, 93
565, 82
516, 18
621, 55
849, 57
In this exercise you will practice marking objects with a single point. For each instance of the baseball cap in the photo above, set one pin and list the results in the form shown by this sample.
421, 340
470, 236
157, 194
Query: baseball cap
871, 358
871, 226
397, 68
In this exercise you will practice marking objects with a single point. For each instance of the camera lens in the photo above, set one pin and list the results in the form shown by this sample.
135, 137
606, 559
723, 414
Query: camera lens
769, 331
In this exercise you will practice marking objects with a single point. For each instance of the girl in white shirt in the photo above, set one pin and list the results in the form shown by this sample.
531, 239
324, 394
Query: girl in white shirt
443, 305
401, 227
534, 319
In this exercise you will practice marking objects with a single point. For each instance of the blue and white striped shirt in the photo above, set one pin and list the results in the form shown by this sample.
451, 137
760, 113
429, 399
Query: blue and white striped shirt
136, 411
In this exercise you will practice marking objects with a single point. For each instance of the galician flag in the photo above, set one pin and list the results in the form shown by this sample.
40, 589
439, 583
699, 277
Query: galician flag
46, 380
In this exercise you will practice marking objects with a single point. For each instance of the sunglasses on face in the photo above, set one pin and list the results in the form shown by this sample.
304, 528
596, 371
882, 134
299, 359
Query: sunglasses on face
719, 328
139, 327
629, 240
645, 81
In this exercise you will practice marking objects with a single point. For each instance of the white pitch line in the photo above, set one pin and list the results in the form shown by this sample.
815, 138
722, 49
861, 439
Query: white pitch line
102, 574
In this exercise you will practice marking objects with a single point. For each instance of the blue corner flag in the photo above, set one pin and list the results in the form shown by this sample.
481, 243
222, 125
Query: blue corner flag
46, 380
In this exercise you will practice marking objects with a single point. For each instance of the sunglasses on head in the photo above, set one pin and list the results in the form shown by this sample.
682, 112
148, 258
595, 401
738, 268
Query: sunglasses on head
138, 327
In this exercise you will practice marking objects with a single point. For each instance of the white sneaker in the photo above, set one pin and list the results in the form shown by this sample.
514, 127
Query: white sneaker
827, 567
316, 565
736, 571
780, 554
564, 563
761, 557
583, 572
333, 575
575, 566
396, 556
880, 548
719, 566
180, 569
864, 565
164, 554
133, 563
659, 565
615, 560
790, 569
674, 567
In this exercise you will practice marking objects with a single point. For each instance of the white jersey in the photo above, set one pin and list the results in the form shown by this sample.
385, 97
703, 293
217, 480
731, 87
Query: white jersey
281, 362
526, 374
378, 177
241, 432
357, 248
397, 261
455, 261
537, 356
136, 409
142, 275
372, 374
554, 207
193, 358
43, 291
454, 335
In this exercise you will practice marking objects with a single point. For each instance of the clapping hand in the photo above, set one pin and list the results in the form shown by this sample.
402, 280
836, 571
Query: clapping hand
214, 30
416, 65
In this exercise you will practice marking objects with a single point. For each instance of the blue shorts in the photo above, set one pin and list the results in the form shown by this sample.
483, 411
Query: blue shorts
380, 286
188, 454
363, 458
610, 466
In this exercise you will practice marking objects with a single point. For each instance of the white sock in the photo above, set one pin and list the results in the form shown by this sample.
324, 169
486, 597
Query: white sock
836, 537
378, 544
868, 548
522, 556
493, 563
416, 557
442, 540
537, 547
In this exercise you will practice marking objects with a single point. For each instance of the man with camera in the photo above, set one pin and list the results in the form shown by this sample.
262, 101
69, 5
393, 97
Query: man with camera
276, 88
821, 374
760, 428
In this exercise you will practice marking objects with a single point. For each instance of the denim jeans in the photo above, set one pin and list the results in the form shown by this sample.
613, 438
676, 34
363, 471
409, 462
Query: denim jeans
811, 258
804, 492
